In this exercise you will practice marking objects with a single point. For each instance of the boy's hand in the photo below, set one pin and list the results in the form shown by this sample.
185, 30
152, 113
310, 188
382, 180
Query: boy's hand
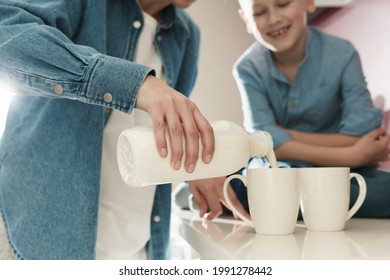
372, 148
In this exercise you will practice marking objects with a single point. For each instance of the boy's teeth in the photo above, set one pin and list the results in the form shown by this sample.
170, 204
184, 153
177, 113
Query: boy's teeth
278, 32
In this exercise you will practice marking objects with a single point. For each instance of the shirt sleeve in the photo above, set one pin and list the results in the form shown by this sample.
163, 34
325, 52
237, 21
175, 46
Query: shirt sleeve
39, 57
257, 111
359, 115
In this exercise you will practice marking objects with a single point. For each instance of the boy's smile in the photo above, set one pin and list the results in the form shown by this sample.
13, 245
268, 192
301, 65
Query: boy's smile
280, 25
279, 32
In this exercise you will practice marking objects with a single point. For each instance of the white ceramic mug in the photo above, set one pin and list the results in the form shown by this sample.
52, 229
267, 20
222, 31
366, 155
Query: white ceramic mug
325, 195
273, 198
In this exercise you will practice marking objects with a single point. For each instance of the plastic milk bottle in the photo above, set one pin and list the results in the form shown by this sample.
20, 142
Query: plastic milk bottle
141, 165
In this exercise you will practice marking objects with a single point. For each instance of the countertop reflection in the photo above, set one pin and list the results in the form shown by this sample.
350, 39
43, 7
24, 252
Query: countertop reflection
226, 238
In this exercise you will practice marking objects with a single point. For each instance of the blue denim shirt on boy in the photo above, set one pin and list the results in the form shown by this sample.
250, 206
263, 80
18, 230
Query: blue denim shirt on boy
328, 95
50, 152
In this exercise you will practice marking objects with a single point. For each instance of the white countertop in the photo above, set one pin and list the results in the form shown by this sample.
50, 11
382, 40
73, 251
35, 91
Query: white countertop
226, 238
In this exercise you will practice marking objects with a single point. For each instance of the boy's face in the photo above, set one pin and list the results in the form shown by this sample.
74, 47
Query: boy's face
277, 24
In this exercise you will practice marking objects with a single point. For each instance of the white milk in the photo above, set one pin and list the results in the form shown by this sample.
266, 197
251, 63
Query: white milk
272, 158
141, 165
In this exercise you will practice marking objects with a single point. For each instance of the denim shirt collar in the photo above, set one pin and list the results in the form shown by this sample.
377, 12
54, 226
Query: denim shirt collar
171, 17
276, 73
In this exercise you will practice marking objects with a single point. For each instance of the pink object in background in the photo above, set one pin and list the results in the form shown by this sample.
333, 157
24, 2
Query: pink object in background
365, 23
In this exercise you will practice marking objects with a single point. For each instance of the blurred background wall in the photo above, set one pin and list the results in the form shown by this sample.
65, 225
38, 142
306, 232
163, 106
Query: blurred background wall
224, 39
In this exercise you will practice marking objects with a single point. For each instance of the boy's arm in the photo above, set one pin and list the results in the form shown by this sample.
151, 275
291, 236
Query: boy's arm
359, 116
369, 150
323, 139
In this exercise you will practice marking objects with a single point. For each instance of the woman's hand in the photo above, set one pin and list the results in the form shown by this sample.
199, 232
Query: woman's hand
208, 194
173, 112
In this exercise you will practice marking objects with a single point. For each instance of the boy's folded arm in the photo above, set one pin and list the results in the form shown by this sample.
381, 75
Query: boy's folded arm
324, 139
295, 150
369, 150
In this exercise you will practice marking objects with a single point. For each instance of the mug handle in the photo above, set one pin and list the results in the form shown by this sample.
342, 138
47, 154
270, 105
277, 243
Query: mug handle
362, 194
229, 202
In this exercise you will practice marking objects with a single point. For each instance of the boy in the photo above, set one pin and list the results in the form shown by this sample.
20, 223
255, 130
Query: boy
308, 90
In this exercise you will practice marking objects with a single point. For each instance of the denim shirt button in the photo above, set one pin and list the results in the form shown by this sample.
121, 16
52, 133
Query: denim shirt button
159, 38
137, 24
58, 89
107, 97
157, 219
293, 105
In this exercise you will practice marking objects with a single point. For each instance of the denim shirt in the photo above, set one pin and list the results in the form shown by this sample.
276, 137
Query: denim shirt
328, 95
70, 60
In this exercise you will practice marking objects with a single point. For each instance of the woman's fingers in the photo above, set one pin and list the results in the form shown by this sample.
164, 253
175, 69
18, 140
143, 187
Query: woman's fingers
175, 115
